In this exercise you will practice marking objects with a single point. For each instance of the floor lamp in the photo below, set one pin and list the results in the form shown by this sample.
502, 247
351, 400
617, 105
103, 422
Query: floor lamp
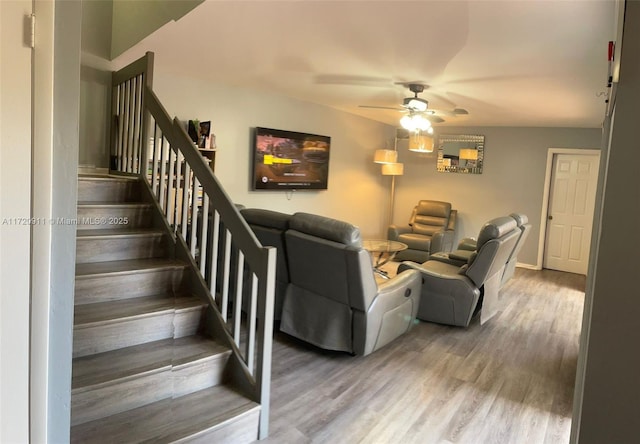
393, 170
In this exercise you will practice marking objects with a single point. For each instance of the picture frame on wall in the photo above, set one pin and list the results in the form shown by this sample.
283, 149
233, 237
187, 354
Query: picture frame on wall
200, 133
203, 134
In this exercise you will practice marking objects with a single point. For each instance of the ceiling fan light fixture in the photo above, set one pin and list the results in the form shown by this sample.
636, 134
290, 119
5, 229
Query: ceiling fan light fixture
415, 122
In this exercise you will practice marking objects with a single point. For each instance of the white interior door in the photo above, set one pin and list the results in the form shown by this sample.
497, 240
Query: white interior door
570, 215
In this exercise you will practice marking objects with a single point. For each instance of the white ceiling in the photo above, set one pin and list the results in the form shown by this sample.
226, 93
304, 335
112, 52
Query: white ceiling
509, 63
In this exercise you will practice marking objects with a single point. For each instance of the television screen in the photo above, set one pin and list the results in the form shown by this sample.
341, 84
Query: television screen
287, 160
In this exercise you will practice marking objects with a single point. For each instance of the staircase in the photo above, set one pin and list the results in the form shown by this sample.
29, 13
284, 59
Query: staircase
146, 367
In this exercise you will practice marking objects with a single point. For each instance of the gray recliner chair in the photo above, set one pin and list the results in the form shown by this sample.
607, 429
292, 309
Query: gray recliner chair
431, 229
452, 294
333, 300
467, 247
269, 227
525, 227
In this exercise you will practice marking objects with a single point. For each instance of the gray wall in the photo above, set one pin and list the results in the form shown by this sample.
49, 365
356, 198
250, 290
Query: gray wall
95, 83
512, 179
608, 384
356, 192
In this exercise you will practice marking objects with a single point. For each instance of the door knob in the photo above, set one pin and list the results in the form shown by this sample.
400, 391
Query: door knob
550, 217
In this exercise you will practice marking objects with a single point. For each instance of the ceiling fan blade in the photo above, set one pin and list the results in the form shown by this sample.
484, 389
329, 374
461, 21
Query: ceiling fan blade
451, 113
434, 119
442, 112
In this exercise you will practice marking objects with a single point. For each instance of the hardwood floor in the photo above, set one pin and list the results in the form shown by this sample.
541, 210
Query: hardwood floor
509, 381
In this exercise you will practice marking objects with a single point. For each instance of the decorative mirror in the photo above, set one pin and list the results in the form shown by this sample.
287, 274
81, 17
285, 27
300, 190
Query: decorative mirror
460, 154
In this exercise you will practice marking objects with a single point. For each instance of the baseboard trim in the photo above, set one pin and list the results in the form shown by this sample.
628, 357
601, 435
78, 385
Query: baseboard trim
528, 266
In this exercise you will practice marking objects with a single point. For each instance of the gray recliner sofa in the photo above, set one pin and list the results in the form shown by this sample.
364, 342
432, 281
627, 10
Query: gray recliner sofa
269, 227
431, 229
333, 300
452, 294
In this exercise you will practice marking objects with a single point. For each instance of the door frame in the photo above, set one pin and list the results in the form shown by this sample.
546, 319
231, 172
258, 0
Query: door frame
547, 190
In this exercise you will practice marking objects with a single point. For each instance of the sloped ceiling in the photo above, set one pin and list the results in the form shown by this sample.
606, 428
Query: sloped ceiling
509, 63
133, 20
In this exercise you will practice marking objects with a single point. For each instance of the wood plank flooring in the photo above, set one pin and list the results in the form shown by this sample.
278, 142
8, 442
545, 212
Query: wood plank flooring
509, 381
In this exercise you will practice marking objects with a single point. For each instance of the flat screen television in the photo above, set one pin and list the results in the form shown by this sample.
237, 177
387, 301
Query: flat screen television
287, 160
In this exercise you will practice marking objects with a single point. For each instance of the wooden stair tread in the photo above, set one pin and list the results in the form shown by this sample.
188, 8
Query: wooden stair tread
126, 266
106, 177
170, 419
107, 367
105, 312
118, 232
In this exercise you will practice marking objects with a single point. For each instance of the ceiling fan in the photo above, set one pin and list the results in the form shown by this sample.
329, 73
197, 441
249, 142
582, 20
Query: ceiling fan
417, 105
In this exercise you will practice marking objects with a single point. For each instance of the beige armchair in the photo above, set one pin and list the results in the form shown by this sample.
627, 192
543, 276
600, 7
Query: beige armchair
431, 229
333, 300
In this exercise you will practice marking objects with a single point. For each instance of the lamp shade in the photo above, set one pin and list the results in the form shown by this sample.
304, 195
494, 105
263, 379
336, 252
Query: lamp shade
385, 156
420, 143
393, 169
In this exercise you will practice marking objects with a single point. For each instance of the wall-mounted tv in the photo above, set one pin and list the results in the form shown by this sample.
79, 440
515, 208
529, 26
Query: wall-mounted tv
287, 160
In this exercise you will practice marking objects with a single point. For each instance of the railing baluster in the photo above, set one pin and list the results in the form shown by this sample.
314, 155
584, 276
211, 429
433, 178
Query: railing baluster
194, 216
138, 126
171, 191
163, 173
215, 248
185, 200
154, 159
251, 318
125, 134
204, 234
132, 127
179, 187
131, 133
237, 302
225, 273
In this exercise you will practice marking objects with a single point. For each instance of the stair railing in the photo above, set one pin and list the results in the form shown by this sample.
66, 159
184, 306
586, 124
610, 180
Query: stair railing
235, 271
